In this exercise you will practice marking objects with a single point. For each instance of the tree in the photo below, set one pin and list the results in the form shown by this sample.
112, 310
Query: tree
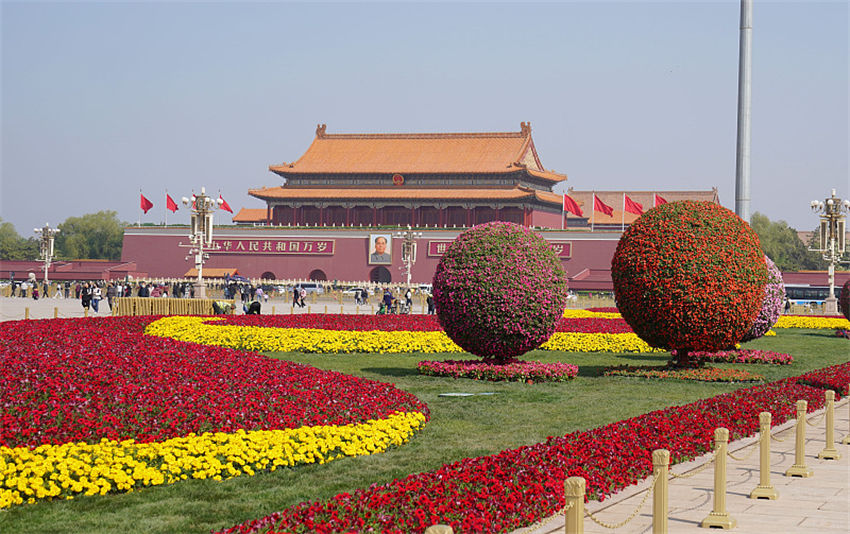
15, 247
91, 236
781, 244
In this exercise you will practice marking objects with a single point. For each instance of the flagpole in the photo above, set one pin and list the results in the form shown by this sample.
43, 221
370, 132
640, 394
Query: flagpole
140, 207
623, 220
166, 208
593, 213
563, 213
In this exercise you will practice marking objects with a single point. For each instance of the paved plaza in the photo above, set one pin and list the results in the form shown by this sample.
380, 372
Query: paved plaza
819, 504
15, 308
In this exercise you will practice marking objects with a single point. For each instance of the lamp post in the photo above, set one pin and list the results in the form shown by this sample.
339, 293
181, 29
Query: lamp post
408, 250
46, 246
201, 234
832, 240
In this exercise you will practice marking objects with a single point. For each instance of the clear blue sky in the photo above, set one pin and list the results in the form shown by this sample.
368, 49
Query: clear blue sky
101, 99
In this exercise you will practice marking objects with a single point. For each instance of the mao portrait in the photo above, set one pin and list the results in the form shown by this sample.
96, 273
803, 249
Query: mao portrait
380, 249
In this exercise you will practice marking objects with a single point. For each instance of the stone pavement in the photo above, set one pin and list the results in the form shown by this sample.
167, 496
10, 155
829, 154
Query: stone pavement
816, 505
14, 308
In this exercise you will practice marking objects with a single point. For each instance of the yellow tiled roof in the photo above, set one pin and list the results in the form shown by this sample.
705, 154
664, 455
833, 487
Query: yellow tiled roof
250, 215
488, 152
402, 194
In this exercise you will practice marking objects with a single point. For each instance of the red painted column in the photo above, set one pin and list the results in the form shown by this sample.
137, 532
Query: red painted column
348, 216
441, 217
469, 216
268, 213
374, 216
295, 214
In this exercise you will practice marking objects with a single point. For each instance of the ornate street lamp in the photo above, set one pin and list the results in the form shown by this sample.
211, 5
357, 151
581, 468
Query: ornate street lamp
46, 246
832, 240
408, 250
201, 234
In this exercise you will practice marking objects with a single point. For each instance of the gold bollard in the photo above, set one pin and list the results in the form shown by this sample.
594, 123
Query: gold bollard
765, 489
846, 440
326, 309
55, 312
660, 469
719, 517
357, 310
340, 309
439, 529
829, 451
373, 309
26, 313
308, 309
273, 311
800, 469
291, 310
574, 488
85, 312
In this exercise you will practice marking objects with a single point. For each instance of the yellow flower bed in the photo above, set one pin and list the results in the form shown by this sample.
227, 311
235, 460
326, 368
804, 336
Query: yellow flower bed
800, 321
265, 339
63, 471
583, 314
597, 342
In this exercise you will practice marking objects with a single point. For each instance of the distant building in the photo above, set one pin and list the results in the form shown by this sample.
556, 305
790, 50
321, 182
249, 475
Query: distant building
349, 190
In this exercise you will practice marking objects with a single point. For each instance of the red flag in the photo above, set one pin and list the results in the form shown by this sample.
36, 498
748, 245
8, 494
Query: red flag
145, 204
224, 204
631, 206
598, 205
659, 200
170, 204
572, 206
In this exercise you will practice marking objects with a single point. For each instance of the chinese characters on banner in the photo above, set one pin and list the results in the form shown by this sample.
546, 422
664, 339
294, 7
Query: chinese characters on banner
275, 246
563, 249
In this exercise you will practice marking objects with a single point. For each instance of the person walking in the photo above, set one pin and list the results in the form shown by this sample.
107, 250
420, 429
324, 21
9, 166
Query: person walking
295, 295
301, 296
96, 296
86, 295
111, 294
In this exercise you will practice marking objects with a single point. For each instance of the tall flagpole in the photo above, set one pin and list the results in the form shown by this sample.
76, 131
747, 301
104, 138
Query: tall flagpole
140, 207
563, 213
742, 166
166, 208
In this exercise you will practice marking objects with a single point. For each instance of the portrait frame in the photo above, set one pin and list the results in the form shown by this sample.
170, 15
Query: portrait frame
372, 254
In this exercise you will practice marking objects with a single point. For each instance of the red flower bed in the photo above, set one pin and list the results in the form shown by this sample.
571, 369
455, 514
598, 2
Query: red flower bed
836, 378
509, 370
517, 487
743, 356
67, 380
392, 323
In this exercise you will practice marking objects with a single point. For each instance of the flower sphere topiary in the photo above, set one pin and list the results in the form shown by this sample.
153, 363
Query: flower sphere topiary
689, 276
499, 290
844, 300
771, 306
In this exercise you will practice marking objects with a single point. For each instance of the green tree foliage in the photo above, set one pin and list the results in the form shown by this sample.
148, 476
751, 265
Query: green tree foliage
94, 236
781, 244
15, 247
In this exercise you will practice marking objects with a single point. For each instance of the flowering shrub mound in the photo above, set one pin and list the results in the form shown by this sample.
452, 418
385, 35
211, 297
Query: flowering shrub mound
689, 276
514, 488
702, 374
499, 290
509, 370
844, 301
341, 322
771, 307
744, 356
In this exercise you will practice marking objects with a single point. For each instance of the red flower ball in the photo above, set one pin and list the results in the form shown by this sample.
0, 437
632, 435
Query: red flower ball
689, 276
499, 290
844, 300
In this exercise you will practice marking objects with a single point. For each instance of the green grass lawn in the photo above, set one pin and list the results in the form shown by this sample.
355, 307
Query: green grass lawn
460, 427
